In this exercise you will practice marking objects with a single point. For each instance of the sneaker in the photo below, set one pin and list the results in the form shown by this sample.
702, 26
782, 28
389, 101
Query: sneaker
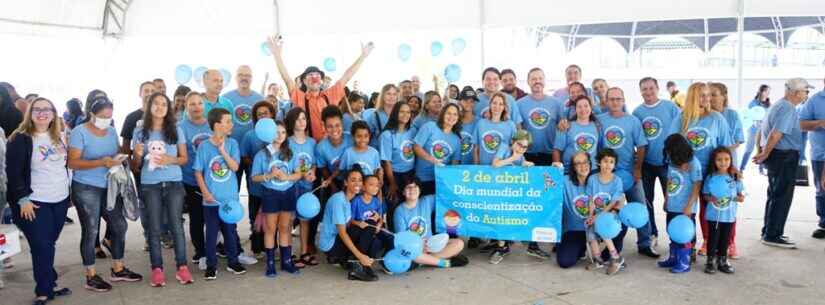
69, 221
498, 254
459, 261
202, 263
236, 268
211, 273
779, 243
649, 252
158, 278
166, 242
359, 274
538, 253
100, 254
819, 233
220, 250
371, 272
246, 260
183, 276
489, 247
615, 265
125, 275
97, 284
8, 263
596, 264
196, 258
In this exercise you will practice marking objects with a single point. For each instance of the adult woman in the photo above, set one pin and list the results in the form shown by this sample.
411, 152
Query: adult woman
93, 148
396, 148
437, 144
180, 101
432, 107
452, 92
494, 132
195, 130
39, 193
582, 136
576, 209
600, 92
73, 115
762, 99
163, 145
377, 117
415, 104
576, 89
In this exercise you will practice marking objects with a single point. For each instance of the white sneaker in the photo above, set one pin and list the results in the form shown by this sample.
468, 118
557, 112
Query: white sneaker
246, 260
202, 263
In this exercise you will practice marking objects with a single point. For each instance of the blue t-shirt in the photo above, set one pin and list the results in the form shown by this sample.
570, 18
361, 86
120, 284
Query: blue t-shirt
417, 219
250, 145
814, 109
603, 194
442, 146
723, 209
220, 180
242, 112
93, 147
156, 142
304, 155
482, 108
468, 131
222, 102
269, 158
362, 210
490, 136
421, 120
346, 122
540, 119
195, 135
655, 124
329, 156
576, 206
578, 138
376, 125
505, 152
680, 184
337, 212
369, 160
622, 134
397, 148
704, 135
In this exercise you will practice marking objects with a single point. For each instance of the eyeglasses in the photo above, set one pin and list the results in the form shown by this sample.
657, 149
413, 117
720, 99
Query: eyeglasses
41, 111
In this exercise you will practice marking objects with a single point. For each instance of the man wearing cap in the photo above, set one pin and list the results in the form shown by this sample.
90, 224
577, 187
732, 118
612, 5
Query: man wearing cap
781, 142
509, 86
213, 83
812, 119
467, 99
310, 97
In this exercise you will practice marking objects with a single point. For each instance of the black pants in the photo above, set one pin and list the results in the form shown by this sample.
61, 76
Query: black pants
719, 235
540, 159
573, 246
650, 173
194, 200
255, 238
365, 240
782, 165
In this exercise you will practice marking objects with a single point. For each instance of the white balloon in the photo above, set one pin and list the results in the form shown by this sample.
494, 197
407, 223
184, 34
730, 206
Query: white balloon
437, 242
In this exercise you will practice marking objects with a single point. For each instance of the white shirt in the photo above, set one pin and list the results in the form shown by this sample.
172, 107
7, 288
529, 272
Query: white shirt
50, 179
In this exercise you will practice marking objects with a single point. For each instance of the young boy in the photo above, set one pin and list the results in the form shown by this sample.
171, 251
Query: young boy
217, 161
606, 194
370, 214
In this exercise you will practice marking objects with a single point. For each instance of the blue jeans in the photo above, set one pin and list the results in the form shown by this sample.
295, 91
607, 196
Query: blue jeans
649, 174
90, 203
818, 166
782, 165
750, 144
42, 234
164, 201
214, 224
637, 194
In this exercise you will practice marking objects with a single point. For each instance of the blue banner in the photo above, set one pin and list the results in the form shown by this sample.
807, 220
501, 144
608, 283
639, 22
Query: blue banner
507, 203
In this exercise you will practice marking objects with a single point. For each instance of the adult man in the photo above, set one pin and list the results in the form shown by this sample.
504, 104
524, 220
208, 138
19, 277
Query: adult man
416, 87
572, 74
491, 79
129, 124
242, 99
160, 85
10, 117
213, 83
676, 96
508, 84
655, 115
405, 89
540, 113
309, 96
781, 141
812, 119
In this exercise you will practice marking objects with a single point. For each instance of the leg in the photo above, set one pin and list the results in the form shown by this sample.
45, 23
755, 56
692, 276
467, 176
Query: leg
714, 241
230, 241
703, 224
174, 211
255, 238
87, 199
618, 242
571, 248
37, 233
749, 145
210, 217
783, 164
818, 166
117, 224
196, 219
649, 175
153, 197
636, 194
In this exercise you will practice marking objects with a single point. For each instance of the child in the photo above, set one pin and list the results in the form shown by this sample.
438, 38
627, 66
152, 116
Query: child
275, 168
396, 147
370, 214
362, 154
303, 147
217, 161
684, 179
721, 212
414, 215
606, 195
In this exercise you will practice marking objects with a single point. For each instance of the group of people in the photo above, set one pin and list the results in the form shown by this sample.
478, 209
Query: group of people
371, 161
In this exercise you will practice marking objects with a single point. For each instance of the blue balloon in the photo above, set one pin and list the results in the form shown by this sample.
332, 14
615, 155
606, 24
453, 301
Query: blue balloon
227, 77
607, 225
308, 206
681, 229
230, 212
265, 130
745, 118
395, 261
458, 45
634, 215
452, 73
437, 242
265, 49
436, 47
409, 243
719, 186
404, 52
329, 64
757, 113
198, 76
183, 74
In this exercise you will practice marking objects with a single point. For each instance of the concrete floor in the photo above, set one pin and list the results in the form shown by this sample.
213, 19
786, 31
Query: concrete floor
764, 275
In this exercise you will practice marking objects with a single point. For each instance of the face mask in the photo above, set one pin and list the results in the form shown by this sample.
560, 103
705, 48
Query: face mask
102, 123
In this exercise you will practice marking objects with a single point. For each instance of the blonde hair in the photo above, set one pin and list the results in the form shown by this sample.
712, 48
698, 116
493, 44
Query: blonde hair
27, 126
379, 105
691, 112
522, 134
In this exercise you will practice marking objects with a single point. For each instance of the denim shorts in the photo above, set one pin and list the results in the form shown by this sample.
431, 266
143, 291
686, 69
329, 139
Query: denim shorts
274, 201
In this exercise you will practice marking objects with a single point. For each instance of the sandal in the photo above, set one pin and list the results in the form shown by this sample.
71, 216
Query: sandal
309, 259
299, 263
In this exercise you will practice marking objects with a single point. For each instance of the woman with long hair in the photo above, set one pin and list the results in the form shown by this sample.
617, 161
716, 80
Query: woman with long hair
396, 149
762, 99
377, 117
437, 144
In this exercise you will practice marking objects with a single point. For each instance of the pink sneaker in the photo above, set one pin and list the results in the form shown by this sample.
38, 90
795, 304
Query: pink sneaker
183, 276
158, 278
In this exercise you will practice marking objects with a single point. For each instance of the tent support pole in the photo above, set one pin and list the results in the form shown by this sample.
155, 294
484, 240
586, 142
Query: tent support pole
740, 29
276, 14
481, 30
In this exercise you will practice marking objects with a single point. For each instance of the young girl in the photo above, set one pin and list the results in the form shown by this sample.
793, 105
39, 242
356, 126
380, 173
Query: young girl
161, 188
414, 215
303, 147
493, 133
432, 106
684, 180
377, 117
328, 152
275, 167
576, 210
361, 153
217, 162
397, 155
437, 144
352, 108
582, 136
250, 146
606, 195
721, 212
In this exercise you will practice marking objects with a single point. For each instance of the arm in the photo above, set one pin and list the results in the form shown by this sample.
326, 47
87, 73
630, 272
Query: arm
420, 153
275, 46
476, 153
362, 258
230, 162
694, 196
365, 51
811, 125
615, 204
774, 138
76, 163
207, 196
556, 156
641, 151
263, 86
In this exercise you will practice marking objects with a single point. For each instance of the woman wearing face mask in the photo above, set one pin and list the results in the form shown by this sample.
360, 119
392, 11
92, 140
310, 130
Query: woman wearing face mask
93, 148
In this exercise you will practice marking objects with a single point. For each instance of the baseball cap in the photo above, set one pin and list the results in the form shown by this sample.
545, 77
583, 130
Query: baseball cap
468, 93
797, 83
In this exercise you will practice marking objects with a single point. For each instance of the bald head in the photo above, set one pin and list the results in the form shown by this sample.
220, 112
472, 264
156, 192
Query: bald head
243, 77
213, 81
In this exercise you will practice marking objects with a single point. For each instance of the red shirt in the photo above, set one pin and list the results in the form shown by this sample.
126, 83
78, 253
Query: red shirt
316, 103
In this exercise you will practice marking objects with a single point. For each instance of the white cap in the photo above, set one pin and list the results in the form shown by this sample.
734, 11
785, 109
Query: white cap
797, 83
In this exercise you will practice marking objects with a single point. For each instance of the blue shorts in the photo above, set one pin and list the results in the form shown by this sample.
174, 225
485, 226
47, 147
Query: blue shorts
274, 201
